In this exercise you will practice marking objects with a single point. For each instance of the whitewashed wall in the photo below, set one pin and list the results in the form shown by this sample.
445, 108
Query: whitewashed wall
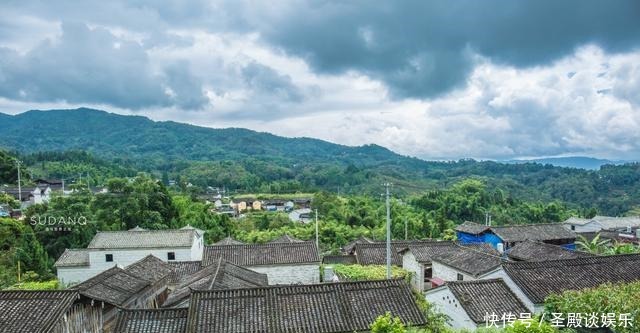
501, 274
592, 226
123, 258
445, 302
289, 274
448, 273
410, 263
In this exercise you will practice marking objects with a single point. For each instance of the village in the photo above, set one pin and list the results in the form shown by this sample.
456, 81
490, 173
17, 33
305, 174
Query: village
142, 280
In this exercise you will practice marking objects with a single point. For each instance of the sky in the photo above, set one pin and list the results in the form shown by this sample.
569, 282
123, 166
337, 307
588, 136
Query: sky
434, 79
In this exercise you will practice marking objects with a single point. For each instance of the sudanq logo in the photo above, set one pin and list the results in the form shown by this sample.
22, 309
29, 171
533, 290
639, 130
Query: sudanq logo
57, 220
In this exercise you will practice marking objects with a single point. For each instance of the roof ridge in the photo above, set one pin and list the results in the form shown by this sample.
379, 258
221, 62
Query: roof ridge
392, 281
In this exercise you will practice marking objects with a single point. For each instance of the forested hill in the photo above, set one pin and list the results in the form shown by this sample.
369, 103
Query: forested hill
112, 135
249, 161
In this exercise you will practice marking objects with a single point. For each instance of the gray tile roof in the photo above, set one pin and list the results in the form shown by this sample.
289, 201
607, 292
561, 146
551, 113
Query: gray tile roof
151, 321
183, 269
73, 258
425, 251
114, 286
539, 232
349, 247
480, 297
472, 228
540, 279
150, 268
24, 311
538, 251
329, 307
263, 254
286, 238
376, 253
221, 275
470, 260
607, 222
345, 259
132, 239
228, 241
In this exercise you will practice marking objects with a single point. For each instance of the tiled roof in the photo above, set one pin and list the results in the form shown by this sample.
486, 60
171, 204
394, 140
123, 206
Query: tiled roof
376, 253
329, 307
540, 279
263, 254
539, 232
537, 251
472, 228
228, 241
151, 321
221, 275
607, 222
425, 251
33, 311
114, 286
349, 247
470, 260
183, 269
480, 297
345, 259
150, 268
286, 239
143, 239
73, 257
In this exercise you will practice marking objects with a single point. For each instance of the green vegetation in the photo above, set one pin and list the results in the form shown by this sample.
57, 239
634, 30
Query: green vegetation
244, 161
44, 285
388, 324
609, 298
369, 272
603, 246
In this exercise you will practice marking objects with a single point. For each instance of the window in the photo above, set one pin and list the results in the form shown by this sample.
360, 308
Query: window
108, 257
460, 277
171, 256
428, 273
573, 227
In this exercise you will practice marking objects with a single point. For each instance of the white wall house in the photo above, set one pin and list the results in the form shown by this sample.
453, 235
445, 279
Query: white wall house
598, 223
467, 303
122, 248
282, 262
432, 263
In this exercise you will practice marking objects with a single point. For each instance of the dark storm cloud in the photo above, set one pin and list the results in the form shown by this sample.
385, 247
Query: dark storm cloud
264, 80
422, 48
93, 66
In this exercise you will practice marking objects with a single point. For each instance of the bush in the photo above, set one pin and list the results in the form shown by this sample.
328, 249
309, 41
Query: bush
368, 272
46, 285
387, 324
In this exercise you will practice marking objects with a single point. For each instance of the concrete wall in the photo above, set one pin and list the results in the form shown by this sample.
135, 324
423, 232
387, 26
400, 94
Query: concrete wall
290, 274
410, 263
592, 226
74, 275
445, 302
448, 273
123, 258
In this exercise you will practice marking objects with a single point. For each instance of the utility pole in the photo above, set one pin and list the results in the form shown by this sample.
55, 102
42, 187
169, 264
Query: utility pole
317, 236
386, 185
19, 183
406, 230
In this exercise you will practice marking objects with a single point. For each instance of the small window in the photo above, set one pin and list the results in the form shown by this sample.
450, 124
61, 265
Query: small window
171, 256
108, 257
460, 277
573, 227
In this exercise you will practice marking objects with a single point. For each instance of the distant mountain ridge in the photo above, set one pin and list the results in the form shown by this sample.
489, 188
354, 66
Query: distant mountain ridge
578, 162
114, 135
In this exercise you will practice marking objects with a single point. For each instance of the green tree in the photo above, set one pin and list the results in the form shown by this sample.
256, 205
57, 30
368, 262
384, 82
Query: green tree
388, 324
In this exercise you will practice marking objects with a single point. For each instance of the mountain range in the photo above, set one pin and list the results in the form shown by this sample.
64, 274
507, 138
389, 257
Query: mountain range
254, 161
